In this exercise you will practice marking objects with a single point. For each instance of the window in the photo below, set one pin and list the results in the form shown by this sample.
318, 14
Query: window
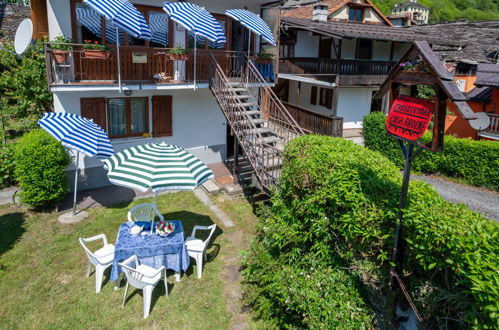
313, 95
355, 14
326, 98
127, 116
364, 49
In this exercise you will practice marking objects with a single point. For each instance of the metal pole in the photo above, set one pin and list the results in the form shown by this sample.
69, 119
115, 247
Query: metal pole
118, 57
195, 60
76, 182
236, 159
154, 213
249, 42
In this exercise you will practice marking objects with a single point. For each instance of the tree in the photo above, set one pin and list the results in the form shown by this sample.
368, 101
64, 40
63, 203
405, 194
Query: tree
24, 89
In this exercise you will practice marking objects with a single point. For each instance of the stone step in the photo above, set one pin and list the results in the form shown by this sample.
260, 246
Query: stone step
261, 130
235, 89
270, 139
248, 112
243, 96
248, 104
256, 121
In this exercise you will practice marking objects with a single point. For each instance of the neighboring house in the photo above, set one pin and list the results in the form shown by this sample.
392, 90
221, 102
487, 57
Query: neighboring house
159, 101
404, 19
417, 11
483, 98
335, 54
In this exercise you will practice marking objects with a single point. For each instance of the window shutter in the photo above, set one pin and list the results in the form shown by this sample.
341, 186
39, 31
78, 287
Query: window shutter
162, 115
39, 18
94, 108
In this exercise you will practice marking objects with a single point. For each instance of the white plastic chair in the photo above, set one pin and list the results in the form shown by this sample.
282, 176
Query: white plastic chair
196, 248
101, 259
144, 212
142, 277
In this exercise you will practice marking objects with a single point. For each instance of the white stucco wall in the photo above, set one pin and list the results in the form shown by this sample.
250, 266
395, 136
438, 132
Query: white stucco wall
353, 104
306, 45
348, 47
381, 50
303, 99
59, 18
340, 14
371, 16
198, 123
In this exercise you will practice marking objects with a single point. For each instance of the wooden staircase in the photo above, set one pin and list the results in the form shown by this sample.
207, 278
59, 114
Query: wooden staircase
258, 120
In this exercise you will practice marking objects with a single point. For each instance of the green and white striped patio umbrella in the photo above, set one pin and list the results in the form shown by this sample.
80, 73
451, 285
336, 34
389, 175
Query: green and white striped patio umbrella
157, 166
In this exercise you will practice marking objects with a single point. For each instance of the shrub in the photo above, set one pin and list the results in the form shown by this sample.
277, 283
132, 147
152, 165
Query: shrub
337, 204
476, 162
7, 165
40, 170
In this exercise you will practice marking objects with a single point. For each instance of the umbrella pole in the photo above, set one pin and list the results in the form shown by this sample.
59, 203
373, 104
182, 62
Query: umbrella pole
249, 43
76, 182
195, 60
118, 57
155, 206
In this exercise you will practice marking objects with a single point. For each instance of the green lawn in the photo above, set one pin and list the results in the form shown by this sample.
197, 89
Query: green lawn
43, 283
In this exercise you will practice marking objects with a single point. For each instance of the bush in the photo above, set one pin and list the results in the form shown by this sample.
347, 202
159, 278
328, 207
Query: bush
7, 166
40, 170
337, 205
476, 162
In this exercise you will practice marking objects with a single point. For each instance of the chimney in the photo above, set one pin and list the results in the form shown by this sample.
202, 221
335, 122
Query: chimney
319, 14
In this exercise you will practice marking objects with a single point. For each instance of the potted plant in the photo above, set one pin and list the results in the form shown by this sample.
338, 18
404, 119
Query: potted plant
95, 50
264, 58
60, 49
178, 54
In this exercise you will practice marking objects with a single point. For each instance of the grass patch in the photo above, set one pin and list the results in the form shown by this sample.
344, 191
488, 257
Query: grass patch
43, 283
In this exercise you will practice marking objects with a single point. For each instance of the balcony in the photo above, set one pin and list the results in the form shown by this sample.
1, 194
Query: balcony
138, 65
492, 131
349, 72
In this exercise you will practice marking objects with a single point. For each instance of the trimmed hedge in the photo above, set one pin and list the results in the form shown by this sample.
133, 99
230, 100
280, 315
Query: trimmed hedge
477, 162
336, 209
40, 170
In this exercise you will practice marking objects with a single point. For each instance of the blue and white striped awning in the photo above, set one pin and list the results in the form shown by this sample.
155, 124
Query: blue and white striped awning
158, 22
123, 15
78, 133
252, 22
91, 19
195, 19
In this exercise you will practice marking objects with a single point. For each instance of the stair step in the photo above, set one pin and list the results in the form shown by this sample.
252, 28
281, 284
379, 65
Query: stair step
235, 89
248, 104
254, 121
261, 130
248, 112
243, 96
234, 83
270, 139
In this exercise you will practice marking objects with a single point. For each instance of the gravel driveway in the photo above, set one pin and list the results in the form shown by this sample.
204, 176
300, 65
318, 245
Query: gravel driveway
480, 200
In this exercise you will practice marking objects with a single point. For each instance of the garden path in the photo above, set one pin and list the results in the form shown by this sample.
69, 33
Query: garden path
480, 200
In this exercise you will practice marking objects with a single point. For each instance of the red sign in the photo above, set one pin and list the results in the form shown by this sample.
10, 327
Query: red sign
409, 117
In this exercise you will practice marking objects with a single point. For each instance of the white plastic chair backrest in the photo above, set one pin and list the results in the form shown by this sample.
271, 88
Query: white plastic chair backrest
133, 276
89, 253
144, 212
211, 228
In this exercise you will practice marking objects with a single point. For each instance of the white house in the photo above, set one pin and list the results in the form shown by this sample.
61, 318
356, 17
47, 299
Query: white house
334, 55
158, 101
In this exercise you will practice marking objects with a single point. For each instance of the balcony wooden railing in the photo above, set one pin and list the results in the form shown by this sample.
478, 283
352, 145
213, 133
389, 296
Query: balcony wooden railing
313, 122
307, 65
78, 68
493, 130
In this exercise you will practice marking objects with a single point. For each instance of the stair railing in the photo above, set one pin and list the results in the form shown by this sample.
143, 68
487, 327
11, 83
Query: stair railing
283, 124
260, 155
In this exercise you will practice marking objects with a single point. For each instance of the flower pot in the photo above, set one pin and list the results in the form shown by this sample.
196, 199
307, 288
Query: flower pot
178, 57
61, 56
96, 54
263, 60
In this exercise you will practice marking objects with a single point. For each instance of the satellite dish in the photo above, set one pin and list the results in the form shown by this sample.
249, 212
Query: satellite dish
482, 122
24, 35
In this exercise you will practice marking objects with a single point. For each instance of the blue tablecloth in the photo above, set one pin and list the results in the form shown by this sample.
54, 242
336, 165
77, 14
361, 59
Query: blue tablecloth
154, 251
266, 70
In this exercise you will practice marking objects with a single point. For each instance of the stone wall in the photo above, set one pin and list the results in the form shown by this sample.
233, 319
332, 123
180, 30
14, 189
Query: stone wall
10, 17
